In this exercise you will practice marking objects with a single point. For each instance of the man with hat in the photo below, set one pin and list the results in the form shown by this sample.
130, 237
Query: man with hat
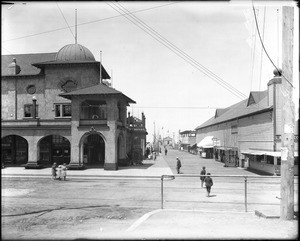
178, 165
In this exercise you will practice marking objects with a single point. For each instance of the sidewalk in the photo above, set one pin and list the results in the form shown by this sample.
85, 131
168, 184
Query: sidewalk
183, 224
149, 168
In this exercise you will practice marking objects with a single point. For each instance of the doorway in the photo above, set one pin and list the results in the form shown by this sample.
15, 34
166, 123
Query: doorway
94, 150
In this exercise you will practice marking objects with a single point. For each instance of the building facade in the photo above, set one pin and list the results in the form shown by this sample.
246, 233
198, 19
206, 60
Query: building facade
136, 138
57, 107
188, 140
248, 133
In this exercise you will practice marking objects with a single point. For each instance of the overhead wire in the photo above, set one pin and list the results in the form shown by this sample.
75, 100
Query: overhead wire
94, 21
65, 19
261, 52
177, 51
265, 48
253, 59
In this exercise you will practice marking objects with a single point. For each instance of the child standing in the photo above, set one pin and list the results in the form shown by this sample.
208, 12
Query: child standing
208, 183
59, 171
64, 171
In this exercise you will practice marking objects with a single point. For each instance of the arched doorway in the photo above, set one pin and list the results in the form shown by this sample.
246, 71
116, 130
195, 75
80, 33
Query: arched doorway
54, 148
14, 150
93, 150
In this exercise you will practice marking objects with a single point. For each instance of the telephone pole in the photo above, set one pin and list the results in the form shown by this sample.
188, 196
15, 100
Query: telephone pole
288, 116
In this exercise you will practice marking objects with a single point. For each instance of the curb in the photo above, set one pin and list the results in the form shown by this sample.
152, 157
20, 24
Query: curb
261, 215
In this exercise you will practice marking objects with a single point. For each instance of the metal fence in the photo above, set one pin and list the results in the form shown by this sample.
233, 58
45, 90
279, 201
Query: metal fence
245, 178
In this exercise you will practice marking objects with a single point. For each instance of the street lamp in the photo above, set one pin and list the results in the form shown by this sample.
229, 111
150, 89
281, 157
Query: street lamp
34, 107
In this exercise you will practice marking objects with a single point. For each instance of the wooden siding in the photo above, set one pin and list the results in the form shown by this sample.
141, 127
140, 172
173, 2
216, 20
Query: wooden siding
253, 132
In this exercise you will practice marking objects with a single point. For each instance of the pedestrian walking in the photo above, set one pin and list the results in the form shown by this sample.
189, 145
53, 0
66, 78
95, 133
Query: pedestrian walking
202, 178
59, 172
53, 171
208, 183
178, 165
166, 151
64, 171
154, 155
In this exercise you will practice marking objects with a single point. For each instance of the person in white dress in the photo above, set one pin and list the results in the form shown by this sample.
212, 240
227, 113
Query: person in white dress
64, 171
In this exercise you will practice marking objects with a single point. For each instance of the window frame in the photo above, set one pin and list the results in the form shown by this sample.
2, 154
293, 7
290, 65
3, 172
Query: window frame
61, 110
31, 108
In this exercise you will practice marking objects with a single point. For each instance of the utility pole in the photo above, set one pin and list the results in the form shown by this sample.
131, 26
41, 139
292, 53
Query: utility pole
288, 116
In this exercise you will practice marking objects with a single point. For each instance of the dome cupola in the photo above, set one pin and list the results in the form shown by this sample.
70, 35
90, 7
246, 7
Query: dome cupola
74, 52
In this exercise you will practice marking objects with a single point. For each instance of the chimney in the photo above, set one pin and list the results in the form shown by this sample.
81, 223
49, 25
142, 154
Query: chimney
128, 118
143, 119
14, 68
272, 86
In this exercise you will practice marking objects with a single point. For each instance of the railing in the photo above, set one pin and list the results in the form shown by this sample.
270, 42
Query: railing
231, 176
164, 178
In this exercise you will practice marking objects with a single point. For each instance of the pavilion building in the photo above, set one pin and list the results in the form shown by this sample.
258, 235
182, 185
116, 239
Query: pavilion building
58, 107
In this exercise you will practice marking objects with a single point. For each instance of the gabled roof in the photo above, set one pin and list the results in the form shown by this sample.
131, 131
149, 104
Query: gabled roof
255, 97
100, 89
105, 75
240, 109
31, 64
219, 112
25, 62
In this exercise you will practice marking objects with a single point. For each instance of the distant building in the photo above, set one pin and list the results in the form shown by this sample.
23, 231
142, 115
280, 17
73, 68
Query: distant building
168, 141
248, 133
56, 108
188, 140
137, 137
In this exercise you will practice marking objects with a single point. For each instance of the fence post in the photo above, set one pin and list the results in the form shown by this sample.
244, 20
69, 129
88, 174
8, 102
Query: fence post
245, 193
162, 192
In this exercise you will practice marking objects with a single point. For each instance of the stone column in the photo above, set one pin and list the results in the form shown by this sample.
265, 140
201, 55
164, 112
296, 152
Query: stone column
33, 153
111, 162
75, 135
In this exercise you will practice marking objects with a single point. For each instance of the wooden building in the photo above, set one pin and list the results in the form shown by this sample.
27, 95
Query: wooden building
248, 133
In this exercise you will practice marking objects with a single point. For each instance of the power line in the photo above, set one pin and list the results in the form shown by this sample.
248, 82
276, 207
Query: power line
65, 19
265, 48
253, 59
95, 21
178, 53
261, 52
179, 50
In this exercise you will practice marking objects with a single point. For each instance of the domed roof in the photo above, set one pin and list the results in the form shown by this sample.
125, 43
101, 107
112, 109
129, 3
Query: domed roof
74, 52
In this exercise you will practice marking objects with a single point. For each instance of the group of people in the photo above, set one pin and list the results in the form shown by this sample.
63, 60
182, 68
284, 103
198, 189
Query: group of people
59, 172
207, 180
204, 177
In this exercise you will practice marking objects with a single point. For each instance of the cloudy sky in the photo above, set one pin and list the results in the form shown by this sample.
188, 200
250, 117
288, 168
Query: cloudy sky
178, 60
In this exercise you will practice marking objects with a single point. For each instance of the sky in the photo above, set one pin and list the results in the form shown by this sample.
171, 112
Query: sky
160, 56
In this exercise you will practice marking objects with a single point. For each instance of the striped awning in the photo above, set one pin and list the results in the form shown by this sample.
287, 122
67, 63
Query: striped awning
207, 142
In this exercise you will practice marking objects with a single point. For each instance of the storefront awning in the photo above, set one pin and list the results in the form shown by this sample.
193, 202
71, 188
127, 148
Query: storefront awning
253, 152
267, 153
206, 142
194, 145
223, 148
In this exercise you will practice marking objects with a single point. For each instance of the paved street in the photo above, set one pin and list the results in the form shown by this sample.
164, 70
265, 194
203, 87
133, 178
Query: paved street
134, 203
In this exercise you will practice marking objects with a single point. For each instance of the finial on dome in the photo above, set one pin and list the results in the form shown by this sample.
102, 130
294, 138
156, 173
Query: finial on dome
277, 72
